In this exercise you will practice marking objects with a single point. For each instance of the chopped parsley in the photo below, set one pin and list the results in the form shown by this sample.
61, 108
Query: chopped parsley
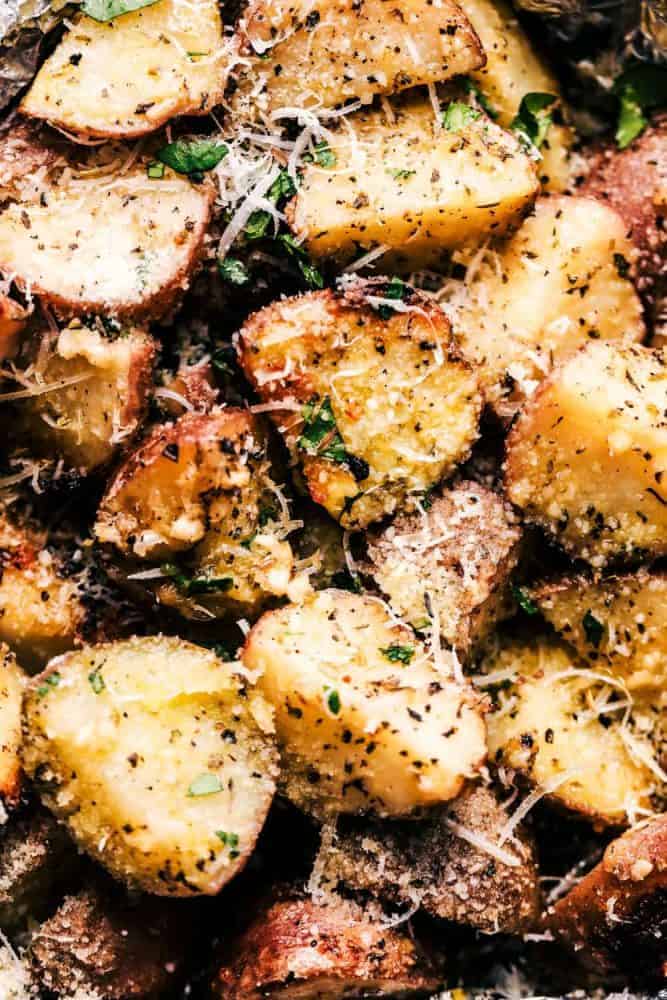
481, 99
190, 585
593, 629
394, 290
267, 514
96, 681
50, 682
398, 654
639, 89
204, 784
332, 699
230, 840
313, 277
456, 116
282, 187
233, 271
522, 598
533, 120
257, 225
399, 174
324, 155
155, 170
193, 156
320, 435
106, 10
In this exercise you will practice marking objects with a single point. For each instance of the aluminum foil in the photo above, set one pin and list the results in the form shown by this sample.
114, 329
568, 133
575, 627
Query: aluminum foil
24, 25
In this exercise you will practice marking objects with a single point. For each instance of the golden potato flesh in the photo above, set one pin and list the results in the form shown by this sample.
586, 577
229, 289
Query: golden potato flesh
403, 181
587, 456
100, 395
200, 489
376, 403
454, 557
128, 76
367, 720
158, 757
120, 243
11, 693
319, 53
561, 280
570, 732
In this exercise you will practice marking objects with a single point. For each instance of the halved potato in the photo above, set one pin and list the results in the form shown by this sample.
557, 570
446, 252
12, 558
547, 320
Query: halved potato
202, 487
428, 864
569, 731
13, 319
561, 280
11, 693
366, 719
299, 949
586, 458
452, 560
614, 919
370, 393
119, 243
100, 396
41, 611
125, 77
159, 758
319, 53
403, 181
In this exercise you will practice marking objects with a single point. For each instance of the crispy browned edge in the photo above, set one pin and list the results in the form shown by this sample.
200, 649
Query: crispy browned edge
98, 940
616, 917
196, 384
293, 940
139, 380
13, 319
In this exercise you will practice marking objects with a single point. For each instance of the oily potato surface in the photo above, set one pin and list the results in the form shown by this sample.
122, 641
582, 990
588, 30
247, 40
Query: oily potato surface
126, 77
11, 694
159, 758
375, 405
586, 457
365, 718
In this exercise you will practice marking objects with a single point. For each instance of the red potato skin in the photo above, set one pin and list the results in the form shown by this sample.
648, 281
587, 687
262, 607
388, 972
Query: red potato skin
615, 919
13, 319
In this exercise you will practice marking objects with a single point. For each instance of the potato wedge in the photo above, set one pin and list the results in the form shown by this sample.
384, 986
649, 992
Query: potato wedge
366, 719
159, 758
13, 319
427, 864
126, 77
202, 487
614, 919
587, 455
561, 280
558, 724
454, 557
121, 243
404, 182
298, 949
101, 392
36, 857
378, 404
41, 612
11, 693
100, 944
293, 56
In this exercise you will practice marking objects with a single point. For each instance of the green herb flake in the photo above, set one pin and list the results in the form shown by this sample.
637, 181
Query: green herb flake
593, 629
257, 225
400, 175
524, 601
193, 156
320, 434
639, 89
155, 170
456, 116
324, 155
282, 187
395, 290
204, 784
233, 271
533, 120
106, 10
230, 840
332, 699
196, 584
398, 654
50, 682
267, 514
481, 98
96, 681
313, 277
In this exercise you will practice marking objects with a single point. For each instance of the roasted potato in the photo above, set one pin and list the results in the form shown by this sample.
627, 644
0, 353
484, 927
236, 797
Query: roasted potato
125, 77
573, 257
13, 319
569, 731
375, 401
299, 949
293, 57
366, 718
36, 856
586, 457
99, 944
615, 918
202, 487
11, 693
158, 757
194, 384
448, 565
456, 876
634, 182
41, 611
403, 181
101, 383
118, 243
